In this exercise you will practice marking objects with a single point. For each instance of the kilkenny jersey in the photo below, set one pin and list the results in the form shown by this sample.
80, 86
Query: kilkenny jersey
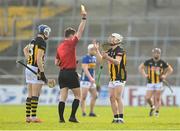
117, 72
91, 62
34, 45
155, 70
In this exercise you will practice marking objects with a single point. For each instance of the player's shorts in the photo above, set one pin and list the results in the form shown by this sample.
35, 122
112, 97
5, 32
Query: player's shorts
115, 84
154, 86
68, 78
31, 78
87, 84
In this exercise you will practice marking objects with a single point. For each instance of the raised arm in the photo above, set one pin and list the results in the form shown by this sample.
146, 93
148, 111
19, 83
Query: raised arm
82, 24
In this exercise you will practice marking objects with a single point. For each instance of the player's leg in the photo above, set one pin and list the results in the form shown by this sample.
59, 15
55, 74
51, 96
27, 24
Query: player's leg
83, 100
93, 92
119, 91
157, 101
148, 97
114, 105
75, 104
36, 88
61, 105
28, 103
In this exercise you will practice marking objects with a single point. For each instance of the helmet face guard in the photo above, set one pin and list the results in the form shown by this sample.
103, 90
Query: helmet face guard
44, 30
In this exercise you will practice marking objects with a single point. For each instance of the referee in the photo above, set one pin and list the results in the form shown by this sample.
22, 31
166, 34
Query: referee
68, 77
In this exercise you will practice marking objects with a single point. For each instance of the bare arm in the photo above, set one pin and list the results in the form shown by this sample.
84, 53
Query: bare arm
168, 71
142, 70
40, 61
116, 61
26, 52
81, 29
86, 71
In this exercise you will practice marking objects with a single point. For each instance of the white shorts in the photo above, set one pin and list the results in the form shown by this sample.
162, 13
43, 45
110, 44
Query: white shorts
114, 84
87, 84
155, 86
31, 78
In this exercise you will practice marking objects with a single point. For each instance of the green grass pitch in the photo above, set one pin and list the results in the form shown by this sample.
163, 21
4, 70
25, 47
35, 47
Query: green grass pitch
12, 118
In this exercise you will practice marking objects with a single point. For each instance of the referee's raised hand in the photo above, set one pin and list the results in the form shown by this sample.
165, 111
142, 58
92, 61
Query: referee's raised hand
83, 11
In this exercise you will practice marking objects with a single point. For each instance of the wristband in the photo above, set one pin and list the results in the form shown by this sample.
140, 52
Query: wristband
83, 18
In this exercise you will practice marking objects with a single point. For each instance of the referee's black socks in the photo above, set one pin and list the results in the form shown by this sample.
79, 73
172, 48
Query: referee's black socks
61, 107
75, 106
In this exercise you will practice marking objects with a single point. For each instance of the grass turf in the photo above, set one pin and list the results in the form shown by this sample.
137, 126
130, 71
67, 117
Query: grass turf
12, 118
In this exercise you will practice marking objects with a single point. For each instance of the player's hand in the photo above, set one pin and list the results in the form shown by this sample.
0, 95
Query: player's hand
83, 11
43, 77
163, 77
96, 44
104, 55
92, 80
146, 75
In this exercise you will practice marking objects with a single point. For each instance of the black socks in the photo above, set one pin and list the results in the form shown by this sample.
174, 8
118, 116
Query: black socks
61, 107
75, 106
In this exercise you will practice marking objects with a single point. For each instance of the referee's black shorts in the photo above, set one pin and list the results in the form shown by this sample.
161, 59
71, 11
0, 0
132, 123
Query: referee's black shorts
68, 78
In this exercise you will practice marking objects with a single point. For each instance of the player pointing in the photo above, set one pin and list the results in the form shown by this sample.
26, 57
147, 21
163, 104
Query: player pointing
155, 70
35, 54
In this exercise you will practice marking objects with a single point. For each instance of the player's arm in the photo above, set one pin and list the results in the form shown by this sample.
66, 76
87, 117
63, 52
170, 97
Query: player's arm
26, 52
82, 24
86, 71
115, 61
98, 54
142, 70
168, 71
40, 63
57, 62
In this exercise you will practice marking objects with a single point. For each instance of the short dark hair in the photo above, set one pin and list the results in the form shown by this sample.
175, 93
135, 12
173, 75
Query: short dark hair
69, 31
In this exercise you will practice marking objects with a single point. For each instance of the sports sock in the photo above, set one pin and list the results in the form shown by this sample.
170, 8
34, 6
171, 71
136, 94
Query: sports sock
116, 116
28, 107
120, 116
34, 104
61, 107
75, 106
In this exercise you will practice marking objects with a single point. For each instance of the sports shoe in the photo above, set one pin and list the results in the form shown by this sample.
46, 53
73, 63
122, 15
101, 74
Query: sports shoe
71, 119
36, 120
92, 115
61, 121
120, 120
115, 120
156, 113
28, 119
151, 113
83, 114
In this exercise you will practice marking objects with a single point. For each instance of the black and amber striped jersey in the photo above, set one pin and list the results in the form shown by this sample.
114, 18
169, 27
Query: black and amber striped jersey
34, 45
155, 69
117, 72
